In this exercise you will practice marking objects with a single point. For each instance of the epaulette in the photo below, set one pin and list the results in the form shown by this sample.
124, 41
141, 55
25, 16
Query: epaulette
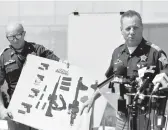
4, 50
121, 45
155, 47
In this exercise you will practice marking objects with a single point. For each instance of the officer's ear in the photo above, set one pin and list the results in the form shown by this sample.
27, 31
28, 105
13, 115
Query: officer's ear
24, 32
121, 29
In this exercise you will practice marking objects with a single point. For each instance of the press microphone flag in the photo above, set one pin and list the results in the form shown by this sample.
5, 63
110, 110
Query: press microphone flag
160, 82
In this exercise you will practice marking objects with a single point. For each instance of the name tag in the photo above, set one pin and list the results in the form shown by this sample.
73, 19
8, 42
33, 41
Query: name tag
9, 62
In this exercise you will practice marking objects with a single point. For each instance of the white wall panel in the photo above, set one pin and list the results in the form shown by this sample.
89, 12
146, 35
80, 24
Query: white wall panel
9, 11
37, 13
116, 6
64, 8
155, 11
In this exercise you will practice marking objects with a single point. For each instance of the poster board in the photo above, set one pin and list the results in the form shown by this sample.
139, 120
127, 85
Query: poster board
92, 38
3, 125
49, 95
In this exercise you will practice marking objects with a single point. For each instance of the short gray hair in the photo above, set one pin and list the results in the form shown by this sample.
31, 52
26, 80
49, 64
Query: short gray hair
130, 13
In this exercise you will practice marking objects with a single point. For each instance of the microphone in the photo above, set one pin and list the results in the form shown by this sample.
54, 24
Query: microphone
156, 87
120, 78
142, 88
121, 71
120, 75
117, 77
147, 78
160, 82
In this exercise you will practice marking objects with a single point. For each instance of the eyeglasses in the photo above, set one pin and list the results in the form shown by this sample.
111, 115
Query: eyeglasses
17, 36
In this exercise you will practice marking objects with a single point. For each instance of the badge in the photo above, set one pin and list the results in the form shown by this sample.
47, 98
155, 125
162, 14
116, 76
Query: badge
163, 59
143, 58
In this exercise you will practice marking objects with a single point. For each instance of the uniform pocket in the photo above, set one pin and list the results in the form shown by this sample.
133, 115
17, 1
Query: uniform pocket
11, 67
118, 65
12, 72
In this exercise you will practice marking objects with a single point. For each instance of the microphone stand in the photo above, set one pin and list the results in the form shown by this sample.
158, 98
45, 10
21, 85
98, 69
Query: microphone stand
132, 110
133, 118
133, 106
160, 118
121, 101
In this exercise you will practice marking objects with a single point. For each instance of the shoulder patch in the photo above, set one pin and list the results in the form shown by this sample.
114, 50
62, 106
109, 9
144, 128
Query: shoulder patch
6, 48
163, 59
155, 47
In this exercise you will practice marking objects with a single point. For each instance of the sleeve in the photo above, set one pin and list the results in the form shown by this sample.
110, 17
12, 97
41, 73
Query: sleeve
46, 53
2, 71
109, 71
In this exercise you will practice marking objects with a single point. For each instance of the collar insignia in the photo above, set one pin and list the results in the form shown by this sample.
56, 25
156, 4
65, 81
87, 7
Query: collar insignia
118, 61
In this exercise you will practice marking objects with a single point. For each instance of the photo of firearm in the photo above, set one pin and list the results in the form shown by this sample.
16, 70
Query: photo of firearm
74, 107
35, 91
27, 106
52, 101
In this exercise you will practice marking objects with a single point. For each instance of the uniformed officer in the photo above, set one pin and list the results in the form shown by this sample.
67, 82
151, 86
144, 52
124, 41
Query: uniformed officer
135, 54
11, 63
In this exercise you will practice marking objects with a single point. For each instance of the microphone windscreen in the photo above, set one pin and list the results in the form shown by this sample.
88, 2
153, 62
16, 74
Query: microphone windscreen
121, 71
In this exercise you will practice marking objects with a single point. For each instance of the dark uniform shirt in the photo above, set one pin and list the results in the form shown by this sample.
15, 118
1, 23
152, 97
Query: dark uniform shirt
11, 62
146, 54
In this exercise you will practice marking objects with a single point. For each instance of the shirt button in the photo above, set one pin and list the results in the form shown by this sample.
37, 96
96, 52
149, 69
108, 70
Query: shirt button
127, 67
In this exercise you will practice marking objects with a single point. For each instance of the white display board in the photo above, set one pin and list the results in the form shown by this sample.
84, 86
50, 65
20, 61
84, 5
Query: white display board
49, 95
91, 41
3, 125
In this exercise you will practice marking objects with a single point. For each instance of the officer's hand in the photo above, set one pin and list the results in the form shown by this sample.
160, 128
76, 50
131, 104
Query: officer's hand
5, 114
65, 62
88, 104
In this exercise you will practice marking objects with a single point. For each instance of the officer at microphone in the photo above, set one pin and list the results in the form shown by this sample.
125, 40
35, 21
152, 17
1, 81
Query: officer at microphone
134, 54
